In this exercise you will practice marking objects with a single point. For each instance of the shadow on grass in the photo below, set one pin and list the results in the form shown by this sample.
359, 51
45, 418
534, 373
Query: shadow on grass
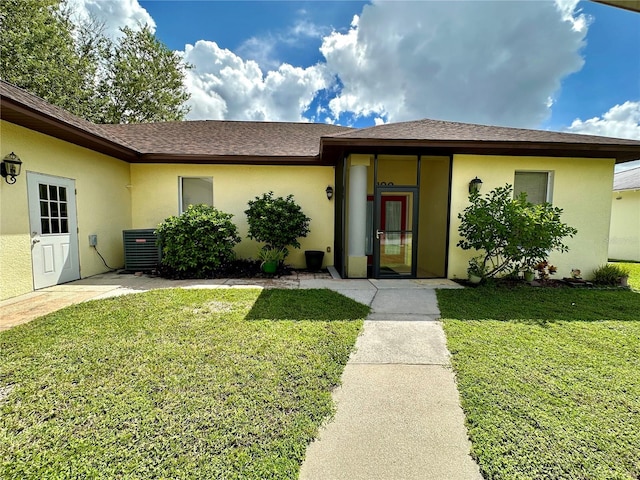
539, 305
314, 304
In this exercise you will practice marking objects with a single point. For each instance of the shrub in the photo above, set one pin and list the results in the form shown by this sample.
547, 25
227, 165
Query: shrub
197, 243
609, 274
278, 222
512, 232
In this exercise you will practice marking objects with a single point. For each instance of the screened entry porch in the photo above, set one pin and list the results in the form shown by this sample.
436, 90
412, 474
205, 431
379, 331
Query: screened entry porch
395, 211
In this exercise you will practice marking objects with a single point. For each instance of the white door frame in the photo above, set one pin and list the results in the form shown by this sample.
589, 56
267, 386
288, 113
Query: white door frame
53, 225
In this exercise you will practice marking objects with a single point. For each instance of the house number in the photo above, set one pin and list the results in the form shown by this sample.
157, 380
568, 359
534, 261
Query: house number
385, 184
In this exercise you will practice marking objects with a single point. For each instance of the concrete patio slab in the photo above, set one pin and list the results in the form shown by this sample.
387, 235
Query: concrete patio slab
410, 342
29, 307
403, 284
264, 282
346, 284
420, 301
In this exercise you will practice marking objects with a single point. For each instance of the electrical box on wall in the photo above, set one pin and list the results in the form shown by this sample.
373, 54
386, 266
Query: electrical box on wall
93, 240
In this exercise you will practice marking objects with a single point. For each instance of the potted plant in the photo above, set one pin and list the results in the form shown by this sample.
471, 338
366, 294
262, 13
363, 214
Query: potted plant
477, 269
271, 258
611, 274
545, 270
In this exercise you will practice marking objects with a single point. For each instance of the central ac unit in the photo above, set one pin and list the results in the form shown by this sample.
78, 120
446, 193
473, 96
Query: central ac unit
141, 250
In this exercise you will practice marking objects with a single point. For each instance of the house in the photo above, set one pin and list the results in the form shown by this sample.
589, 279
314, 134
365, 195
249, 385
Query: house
624, 236
398, 188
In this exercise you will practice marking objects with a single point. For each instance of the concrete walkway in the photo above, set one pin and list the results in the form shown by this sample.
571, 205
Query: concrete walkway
398, 412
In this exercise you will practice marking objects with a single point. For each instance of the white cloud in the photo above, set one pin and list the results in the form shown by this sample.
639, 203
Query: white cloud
486, 62
225, 86
114, 14
495, 62
621, 121
264, 49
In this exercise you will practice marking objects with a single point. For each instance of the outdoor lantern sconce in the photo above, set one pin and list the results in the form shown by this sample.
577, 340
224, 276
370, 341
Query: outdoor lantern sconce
474, 185
329, 191
10, 167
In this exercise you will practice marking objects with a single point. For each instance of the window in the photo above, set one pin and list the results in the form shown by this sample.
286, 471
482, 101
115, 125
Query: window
535, 184
54, 216
195, 190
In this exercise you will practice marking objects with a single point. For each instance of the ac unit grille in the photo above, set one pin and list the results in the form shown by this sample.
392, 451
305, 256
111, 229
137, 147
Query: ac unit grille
141, 250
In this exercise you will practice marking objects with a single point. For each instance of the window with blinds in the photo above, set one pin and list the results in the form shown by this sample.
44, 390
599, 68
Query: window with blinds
534, 184
194, 191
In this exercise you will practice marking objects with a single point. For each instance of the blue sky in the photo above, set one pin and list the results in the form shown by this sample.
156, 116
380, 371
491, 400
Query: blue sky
561, 65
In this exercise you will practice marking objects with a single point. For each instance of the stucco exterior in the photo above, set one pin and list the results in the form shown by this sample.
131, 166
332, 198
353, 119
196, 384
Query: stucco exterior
624, 241
584, 197
155, 196
128, 176
103, 204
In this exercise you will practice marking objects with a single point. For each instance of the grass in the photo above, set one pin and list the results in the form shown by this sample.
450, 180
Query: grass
634, 275
549, 380
226, 383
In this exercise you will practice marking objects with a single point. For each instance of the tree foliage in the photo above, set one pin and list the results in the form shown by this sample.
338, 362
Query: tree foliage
276, 221
197, 243
512, 232
74, 66
38, 52
144, 80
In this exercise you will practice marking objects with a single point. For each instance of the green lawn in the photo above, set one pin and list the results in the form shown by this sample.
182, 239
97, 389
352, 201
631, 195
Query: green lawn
634, 276
226, 383
549, 380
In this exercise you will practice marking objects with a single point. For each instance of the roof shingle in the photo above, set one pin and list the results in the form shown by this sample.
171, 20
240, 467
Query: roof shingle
226, 138
627, 180
439, 130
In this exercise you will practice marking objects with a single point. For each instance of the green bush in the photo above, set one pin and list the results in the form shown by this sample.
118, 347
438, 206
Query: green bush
197, 243
278, 222
511, 232
609, 274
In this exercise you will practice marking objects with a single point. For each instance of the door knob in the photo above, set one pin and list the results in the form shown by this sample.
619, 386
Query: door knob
34, 241
379, 233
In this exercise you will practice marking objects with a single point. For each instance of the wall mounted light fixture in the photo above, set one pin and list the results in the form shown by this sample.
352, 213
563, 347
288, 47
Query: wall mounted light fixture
475, 185
329, 191
10, 167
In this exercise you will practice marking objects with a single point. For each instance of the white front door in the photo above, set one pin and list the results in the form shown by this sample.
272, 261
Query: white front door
54, 229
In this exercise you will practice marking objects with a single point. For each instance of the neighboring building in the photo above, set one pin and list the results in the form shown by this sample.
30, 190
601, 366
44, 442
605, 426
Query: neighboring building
398, 188
624, 236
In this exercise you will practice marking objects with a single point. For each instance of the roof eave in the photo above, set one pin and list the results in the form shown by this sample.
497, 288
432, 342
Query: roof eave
19, 114
621, 153
231, 159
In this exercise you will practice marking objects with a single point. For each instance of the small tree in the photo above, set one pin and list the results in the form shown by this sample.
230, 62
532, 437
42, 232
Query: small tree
278, 222
197, 243
512, 232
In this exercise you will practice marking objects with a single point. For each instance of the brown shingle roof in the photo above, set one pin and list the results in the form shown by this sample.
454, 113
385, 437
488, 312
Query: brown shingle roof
22, 108
294, 143
438, 130
449, 138
226, 138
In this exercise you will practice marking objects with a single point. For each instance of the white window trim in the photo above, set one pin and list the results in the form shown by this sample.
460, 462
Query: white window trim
550, 178
180, 177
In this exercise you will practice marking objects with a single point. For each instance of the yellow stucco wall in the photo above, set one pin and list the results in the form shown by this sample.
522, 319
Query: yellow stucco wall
155, 197
434, 195
103, 204
582, 187
624, 236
